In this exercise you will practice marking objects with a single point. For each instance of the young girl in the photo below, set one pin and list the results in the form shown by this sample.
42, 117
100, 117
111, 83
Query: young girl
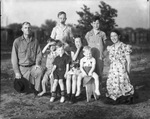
87, 67
49, 65
59, 71
76, 55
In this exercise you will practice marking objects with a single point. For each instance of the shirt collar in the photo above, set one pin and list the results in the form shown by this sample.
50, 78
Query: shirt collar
58, 26
93, 32
96, 31
31, 38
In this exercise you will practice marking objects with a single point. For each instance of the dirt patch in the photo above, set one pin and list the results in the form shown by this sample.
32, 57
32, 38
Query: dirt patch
21, 106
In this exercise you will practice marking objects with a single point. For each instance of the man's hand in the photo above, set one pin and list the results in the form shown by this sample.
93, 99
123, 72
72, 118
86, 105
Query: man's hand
18, 76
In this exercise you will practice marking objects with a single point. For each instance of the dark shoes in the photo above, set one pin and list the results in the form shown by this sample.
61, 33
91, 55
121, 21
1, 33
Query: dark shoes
70, 98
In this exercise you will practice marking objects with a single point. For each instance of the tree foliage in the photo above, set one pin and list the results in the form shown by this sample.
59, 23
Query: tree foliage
106, 14
48, 26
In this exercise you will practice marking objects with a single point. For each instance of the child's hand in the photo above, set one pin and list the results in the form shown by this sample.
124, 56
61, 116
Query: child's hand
51, 76
65, 75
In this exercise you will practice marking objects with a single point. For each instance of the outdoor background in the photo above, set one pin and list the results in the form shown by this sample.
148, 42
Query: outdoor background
130, 17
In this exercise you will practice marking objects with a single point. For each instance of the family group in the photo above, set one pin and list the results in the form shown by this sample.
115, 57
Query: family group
69, 61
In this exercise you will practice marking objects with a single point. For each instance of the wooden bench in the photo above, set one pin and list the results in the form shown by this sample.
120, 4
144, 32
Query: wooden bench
88, 83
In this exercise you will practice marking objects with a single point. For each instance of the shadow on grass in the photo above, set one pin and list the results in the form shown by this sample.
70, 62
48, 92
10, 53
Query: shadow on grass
141, 82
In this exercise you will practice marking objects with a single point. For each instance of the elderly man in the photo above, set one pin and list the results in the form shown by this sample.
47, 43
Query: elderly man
26, 58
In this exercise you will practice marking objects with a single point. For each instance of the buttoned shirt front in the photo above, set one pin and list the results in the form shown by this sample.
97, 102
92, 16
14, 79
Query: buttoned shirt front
25, 53
62, 34
96, 40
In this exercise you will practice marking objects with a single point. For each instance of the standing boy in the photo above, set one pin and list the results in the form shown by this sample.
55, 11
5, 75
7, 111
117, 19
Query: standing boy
62, 32
96, 39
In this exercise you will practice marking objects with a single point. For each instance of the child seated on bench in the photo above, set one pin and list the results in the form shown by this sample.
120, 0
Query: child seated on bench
87, 67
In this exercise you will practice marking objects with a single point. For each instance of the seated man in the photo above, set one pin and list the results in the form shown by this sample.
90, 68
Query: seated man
26, 58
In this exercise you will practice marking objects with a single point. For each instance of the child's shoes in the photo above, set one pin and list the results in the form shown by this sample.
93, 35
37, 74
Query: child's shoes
52, 99
53, 96
62, 99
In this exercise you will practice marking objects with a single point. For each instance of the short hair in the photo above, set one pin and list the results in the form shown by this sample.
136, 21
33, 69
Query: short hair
77, 36
25, 23
95, 18
87, 48
116, 31
60, 13
59, 44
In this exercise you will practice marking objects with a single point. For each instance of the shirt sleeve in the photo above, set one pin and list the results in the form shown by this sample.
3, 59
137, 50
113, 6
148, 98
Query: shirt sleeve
53, 33
68, 59
14, 57
104, 37
87, 37
38, 54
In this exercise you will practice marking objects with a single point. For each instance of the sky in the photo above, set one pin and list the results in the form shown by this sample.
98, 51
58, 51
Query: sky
131, 13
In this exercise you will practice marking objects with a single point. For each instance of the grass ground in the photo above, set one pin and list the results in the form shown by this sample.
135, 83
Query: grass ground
16, 106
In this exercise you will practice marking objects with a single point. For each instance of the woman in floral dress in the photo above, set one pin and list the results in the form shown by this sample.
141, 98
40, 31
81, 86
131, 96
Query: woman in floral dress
118, 83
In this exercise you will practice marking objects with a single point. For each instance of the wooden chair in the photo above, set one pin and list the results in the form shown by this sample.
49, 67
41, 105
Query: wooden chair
88, 83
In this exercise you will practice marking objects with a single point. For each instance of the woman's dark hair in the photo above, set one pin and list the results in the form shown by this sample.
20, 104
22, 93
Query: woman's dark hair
119, 34
77, 36
116, 31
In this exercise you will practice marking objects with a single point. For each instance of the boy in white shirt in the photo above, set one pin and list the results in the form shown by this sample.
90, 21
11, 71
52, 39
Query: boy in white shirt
63, 32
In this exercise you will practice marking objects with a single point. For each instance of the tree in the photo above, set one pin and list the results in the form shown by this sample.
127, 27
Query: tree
48, 26
85, 19
107, 16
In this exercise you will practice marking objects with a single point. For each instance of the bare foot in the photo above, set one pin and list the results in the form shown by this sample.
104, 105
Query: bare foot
41, 93
52, 99
62, 99
78, 93
97, 92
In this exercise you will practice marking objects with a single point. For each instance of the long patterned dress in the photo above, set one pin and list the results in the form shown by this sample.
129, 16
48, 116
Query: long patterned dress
118, 82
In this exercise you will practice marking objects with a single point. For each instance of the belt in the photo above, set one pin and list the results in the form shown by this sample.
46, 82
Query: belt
27, 65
